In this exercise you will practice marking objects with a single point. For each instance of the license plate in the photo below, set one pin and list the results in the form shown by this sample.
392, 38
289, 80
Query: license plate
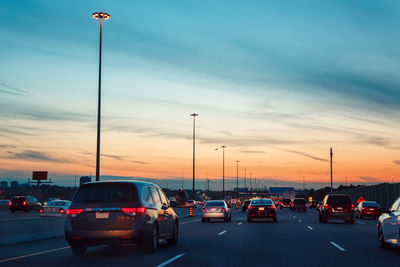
213, 209
371, 209
339, 208
102, 215
261, 208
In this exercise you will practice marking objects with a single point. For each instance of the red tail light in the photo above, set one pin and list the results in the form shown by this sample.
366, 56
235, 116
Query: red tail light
134, 211
363, 208
74, 211
24, 203
352, 206
41, 210
61, 210
223, 209
203, 210
9, 203
250, 207
326, 206
273, 207
141, 210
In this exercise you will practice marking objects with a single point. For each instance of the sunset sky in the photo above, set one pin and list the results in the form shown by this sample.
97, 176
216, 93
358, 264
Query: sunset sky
277, 82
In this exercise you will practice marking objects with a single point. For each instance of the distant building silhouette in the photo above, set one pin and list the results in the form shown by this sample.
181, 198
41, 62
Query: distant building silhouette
3, 186
14, 185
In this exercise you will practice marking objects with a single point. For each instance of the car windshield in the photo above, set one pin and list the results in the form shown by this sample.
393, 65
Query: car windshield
106, 193
215, 204
261, 202
370, 204
339, 200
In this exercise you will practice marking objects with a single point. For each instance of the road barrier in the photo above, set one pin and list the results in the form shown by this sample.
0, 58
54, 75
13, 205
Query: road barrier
191, 212
384, 194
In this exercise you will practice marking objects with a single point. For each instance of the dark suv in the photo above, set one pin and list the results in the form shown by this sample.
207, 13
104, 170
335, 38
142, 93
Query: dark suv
299, 204
337, 206
120, 213
24, 203
286, 203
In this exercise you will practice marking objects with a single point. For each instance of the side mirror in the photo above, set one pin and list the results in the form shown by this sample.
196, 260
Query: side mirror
164, 206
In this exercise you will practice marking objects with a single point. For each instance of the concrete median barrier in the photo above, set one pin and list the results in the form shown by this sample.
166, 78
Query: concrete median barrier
29, 229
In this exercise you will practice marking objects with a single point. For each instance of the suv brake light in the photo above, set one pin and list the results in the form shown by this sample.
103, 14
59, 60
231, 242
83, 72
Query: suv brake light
250, 207
9, 203
24, 203
203, 210
74, 211
326, 206
61, 210
352, 206
134, 211
223, 209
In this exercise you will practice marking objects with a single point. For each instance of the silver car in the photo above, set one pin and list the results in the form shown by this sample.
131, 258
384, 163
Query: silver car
55, 208
216, 209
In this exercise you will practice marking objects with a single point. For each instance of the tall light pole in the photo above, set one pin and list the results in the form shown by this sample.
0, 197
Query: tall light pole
100, 16
237, 182
331, 153
194, 115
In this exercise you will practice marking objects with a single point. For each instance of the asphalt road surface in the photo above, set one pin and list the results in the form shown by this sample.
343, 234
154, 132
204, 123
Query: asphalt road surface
297, 239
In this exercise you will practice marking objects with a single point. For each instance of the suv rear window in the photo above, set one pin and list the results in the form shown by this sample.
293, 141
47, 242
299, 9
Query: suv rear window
339, 200
18, 199
299, 201
106, 193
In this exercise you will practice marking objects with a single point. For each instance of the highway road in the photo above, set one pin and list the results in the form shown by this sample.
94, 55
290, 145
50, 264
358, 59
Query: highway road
297, 239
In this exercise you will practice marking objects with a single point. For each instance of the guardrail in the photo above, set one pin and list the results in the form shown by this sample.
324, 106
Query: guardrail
23, 229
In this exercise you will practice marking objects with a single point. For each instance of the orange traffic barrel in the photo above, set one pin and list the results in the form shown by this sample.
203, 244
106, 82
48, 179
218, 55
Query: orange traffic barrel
191, 211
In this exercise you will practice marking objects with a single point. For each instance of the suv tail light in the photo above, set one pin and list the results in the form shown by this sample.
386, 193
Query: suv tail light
250, 207
41, 210
352, 206
74, 211
326, 206
9, 203
203, 210
24, 203
134, 211
223, 209
61, 210
273, 207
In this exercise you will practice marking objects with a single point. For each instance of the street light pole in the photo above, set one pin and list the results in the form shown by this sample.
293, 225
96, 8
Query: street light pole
223, 172
194, 115
237, 182
100, 16
331, 153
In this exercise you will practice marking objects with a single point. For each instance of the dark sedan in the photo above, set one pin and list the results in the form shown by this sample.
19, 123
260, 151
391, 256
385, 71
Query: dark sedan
261, 209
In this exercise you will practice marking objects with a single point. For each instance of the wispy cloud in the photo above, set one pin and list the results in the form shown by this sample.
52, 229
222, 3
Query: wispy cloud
35, 156
397, 162
117, 157
11, 90
253, 152
369, 179
302, 154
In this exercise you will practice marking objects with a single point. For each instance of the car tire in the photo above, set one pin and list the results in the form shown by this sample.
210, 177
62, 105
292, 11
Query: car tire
324, 219
320, 218
274, 219
78, 249
351, 221
249, 220
175, 234
230, 217
12, 211
381, 239
360, 216
226, 219
203, 220
150, 243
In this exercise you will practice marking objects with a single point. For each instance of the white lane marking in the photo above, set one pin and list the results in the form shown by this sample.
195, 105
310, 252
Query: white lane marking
360, 223
165, 263
188, 222
33, 254
223, 232
240, 223
294, 217
337, 246
309, 227
300, 220
20, 219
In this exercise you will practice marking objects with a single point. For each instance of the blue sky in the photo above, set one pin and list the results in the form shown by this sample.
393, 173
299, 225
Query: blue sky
282, 79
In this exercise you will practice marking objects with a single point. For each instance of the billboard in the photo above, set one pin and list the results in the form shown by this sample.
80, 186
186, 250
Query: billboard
39, 175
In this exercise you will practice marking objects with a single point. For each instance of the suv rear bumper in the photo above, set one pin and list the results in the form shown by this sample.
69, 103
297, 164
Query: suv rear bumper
338, 215
102, 237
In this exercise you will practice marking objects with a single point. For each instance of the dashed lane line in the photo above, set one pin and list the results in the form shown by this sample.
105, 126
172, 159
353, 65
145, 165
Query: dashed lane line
360, 223
33, 254
165, 263
188, 222
223, 232
240, 223
309, 227
300, 220
337, 246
